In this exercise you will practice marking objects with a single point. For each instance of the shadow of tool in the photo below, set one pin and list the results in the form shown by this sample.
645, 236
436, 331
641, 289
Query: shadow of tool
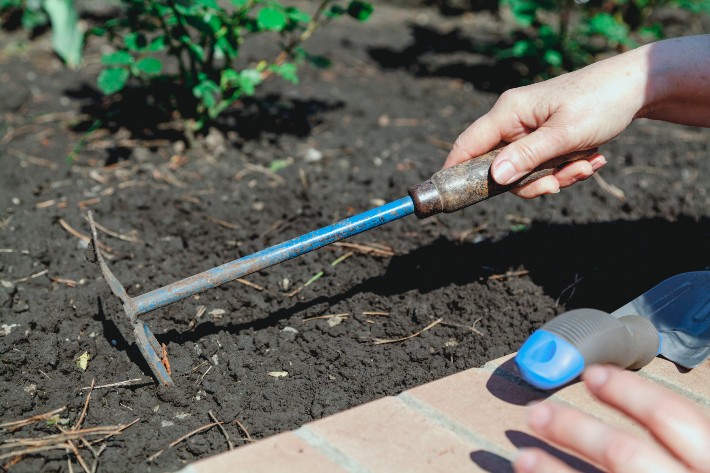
621, 260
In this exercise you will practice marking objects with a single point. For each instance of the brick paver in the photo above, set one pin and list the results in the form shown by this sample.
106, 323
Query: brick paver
470, 421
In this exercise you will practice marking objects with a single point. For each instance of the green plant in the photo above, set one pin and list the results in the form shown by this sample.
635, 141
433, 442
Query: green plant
67, 37
565, 35
196, 44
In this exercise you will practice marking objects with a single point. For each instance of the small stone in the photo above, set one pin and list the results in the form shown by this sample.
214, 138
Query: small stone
217, 313
312, 155
16, 201
285, 284
378, 202
278, 374
258, 206
167, 423
215, 359
6, 329
289, 330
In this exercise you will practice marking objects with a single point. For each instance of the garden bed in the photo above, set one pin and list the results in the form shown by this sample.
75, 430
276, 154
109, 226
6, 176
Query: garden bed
270, 352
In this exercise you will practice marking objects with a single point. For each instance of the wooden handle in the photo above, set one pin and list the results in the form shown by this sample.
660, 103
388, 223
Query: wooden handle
470, 182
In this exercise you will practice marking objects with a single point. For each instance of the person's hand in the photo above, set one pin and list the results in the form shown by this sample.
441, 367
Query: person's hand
680, 428
668, 80
572, 112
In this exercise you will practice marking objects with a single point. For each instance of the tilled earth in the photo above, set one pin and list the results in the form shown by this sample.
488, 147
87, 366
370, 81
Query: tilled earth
270, 352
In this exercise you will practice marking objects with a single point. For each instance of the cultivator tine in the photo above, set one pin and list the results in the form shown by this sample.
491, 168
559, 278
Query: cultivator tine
146, 341
113, 282
150, 348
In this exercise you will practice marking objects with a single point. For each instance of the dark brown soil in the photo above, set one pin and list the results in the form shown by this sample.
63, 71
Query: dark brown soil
350, 137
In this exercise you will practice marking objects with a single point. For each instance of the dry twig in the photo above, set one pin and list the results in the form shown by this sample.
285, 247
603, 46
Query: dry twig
120, 236
82, 236
181, 439
381, 341
508, 274
224, 431
244, 429
250, 284
611, 189
18, 424
128, 382
373, 249
344, 315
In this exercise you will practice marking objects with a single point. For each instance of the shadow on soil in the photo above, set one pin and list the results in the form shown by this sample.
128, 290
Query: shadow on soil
454, 54
152, 113
598, 265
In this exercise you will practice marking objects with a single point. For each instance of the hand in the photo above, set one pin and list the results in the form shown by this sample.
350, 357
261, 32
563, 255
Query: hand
681, 429
668, 80
571, 112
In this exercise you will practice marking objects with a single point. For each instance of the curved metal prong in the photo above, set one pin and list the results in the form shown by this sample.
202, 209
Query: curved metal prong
149, 347
115, 285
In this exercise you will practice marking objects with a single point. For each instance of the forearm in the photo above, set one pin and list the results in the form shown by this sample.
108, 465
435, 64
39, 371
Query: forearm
678, 84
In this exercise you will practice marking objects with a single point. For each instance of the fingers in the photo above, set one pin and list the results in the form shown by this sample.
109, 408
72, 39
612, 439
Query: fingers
479, 138
522, 156
615, 450
565, 177
534, 460
675, 421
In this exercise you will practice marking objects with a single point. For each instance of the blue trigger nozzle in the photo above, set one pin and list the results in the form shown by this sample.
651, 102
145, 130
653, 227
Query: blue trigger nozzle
548, 361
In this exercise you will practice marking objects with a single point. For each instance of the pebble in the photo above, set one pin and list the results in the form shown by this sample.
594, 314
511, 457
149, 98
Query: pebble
167, 423
289, 330
312, 155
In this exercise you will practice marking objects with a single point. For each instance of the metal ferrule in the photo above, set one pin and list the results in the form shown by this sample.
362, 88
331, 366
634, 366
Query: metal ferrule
427, 200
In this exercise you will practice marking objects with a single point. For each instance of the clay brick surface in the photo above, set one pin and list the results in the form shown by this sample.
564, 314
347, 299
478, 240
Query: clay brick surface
387, 436
283, 452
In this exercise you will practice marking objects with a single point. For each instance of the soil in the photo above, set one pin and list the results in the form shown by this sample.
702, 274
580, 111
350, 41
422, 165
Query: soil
291, 160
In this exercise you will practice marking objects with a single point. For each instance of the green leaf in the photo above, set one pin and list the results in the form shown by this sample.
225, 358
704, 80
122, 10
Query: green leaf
32, 19
248, 80
523, 48
208, 92
119, 58
287, 71
606, 25
112, 80
553, 58
240, 3
320, 62
229, 78
298, 16
278, 164
158, 44
359, 10
149, 66
334, 12
271, 19
67, 37
207, 4
135, 41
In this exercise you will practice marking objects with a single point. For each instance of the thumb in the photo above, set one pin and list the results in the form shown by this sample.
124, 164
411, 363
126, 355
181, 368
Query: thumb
522, 156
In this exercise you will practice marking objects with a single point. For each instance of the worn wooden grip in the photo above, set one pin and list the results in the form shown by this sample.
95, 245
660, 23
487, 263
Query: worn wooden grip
470, 182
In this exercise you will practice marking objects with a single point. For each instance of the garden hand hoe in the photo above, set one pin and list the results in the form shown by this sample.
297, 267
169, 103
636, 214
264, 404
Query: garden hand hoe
447, 191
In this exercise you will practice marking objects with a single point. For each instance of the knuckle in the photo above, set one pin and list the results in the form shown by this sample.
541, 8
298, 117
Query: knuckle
527, 154
621, 451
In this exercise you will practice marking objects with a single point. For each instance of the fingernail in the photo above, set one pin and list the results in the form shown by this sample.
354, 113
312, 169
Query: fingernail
539, 416
526, 461
503, 172
596, 376
598, 162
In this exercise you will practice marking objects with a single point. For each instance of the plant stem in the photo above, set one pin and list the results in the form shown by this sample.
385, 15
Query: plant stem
288, 49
